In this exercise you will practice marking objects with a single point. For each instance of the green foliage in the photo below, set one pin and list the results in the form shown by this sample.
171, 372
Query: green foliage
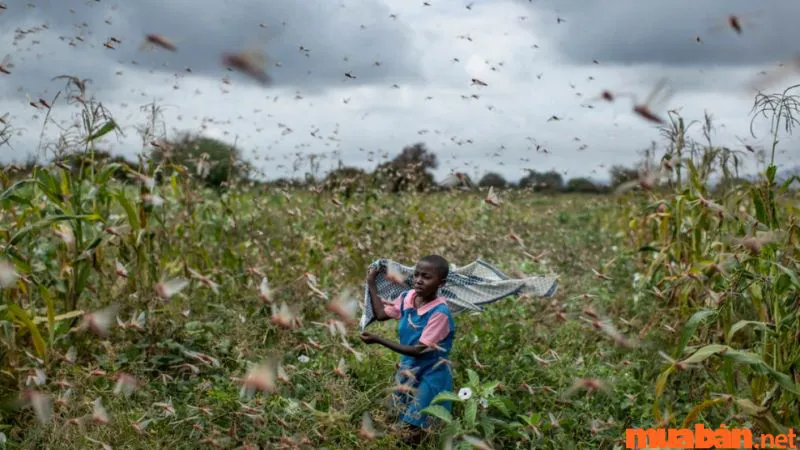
99, 159
584, 185
620, 174
478, 412
725, 263
346, 181
550, 182
492, 179
221, 237
408, 171
211, 160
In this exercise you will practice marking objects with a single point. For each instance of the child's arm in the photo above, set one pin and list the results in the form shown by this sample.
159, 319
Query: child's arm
435, 331
377, 305
408, 350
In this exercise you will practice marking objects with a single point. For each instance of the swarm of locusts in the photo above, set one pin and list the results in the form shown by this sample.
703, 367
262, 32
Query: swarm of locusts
144, 309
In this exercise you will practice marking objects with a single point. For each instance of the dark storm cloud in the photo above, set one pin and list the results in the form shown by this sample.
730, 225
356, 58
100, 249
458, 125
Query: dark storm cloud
37, 40
362, 40
663, 32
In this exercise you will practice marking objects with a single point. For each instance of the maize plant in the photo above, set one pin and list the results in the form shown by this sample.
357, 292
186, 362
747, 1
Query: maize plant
725, 261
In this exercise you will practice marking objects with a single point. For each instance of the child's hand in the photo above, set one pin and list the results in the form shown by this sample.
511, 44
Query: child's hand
373, 273
368, 338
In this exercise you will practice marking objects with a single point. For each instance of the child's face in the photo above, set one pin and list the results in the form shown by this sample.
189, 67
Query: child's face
426, 280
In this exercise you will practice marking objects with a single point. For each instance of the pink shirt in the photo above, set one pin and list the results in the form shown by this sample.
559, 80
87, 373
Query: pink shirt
437, 327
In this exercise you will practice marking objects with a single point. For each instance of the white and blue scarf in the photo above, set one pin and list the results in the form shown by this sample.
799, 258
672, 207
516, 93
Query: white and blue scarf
467, 288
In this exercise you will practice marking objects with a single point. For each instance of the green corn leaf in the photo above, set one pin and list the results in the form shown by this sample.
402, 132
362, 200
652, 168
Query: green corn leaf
691, 327
36, 337
51, 312
130, 211
107, 172
704, 353
744, 323
694, 412
21, 234
107, 127
12, 190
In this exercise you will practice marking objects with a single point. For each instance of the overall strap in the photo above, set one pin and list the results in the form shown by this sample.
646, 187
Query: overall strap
403, 298
444, 309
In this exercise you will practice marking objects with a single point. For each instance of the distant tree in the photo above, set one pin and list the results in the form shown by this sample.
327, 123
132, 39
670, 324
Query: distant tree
551, 181
493, 179
583, 185
209, 159
408, 170
456, 180
346, 180
417, 154
285, 183
620, 174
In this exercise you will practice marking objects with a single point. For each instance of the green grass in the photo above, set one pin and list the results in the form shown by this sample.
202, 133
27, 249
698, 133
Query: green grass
221, 237
336, 243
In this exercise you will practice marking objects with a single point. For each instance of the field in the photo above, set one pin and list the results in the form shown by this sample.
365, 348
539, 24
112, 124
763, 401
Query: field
676, 305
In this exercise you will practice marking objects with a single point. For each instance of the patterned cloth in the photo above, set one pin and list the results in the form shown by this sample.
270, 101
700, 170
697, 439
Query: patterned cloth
468, 287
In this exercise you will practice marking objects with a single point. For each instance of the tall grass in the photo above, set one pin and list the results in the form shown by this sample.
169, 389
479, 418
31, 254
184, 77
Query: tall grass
714, 290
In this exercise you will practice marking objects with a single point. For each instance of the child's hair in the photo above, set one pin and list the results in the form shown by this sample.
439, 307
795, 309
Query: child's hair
441, 265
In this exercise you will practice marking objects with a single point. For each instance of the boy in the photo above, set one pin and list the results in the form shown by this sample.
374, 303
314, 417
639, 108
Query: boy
426, 330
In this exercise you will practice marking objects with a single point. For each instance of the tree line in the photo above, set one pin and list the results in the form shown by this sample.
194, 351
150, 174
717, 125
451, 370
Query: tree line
216, 164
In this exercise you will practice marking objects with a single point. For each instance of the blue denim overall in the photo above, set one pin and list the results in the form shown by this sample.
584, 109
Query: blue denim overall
431, 374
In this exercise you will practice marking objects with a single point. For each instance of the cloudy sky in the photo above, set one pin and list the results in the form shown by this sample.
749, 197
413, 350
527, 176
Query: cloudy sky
358, 80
